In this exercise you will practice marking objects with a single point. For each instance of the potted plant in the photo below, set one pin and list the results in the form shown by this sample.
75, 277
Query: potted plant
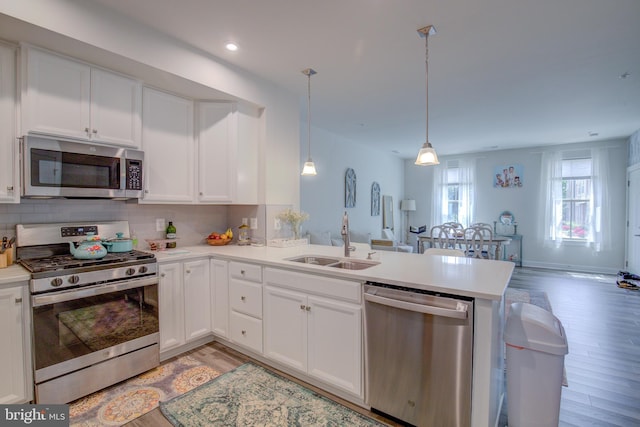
294, 219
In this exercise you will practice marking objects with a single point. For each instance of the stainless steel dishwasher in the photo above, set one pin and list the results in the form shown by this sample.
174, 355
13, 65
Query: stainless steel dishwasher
419, 348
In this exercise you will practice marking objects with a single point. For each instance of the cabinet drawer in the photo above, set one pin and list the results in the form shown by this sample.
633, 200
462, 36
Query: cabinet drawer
241, 270
246, 331
246, 297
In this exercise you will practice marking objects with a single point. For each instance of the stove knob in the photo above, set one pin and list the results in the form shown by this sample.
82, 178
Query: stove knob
74, 279
131, 271
56, 282
143, 269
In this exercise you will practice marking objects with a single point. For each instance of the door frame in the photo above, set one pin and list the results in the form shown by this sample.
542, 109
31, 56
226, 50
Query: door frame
628, 234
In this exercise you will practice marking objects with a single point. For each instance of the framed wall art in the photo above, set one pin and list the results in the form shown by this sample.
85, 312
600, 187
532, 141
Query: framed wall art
509, 176
375, 199
350, 188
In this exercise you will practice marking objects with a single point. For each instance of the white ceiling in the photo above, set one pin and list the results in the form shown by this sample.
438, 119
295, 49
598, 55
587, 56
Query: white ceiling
502, 73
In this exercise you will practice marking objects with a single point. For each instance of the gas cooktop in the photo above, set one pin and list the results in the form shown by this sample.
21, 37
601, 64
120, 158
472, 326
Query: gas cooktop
67, 261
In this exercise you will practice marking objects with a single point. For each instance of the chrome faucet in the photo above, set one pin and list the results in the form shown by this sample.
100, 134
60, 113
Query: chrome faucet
345, 235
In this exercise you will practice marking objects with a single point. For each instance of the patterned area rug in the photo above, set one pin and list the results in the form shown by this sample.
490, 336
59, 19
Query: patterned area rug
253, 396
125, 401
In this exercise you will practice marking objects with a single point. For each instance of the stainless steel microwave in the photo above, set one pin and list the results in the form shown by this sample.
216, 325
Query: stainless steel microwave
59, 168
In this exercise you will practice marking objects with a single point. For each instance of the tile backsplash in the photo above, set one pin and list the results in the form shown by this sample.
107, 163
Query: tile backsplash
193, 222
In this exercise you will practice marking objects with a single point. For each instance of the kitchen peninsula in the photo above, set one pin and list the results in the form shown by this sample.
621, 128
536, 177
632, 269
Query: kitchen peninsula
245, 277
227, 293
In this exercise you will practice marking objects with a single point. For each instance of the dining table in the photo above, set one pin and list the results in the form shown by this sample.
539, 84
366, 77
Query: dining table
459, 241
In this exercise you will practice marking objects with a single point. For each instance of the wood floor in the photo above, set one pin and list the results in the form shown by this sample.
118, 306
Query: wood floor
602, 323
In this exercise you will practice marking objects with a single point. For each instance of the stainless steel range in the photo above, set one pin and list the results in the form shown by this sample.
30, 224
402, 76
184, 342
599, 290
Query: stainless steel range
95, 321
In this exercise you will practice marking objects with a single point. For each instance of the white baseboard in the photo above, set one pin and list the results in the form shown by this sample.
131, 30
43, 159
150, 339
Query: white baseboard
570, 267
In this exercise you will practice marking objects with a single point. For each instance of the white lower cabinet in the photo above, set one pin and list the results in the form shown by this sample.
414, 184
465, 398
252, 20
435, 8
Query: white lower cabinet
245, 303
185, 302
15, 355
220, 297
320, 335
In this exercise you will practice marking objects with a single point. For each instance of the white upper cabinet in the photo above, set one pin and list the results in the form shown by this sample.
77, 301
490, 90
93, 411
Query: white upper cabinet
168, 144
115, 108
217, 157
9, 167
67, 98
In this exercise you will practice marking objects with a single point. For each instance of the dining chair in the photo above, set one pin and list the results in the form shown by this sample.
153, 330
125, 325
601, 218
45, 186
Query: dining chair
455, 225
478, 241
443, 236
444, 251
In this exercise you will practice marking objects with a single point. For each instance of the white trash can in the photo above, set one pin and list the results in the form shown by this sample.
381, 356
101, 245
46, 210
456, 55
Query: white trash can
536, 346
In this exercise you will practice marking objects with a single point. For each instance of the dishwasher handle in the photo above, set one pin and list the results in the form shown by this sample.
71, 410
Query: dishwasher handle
459, 313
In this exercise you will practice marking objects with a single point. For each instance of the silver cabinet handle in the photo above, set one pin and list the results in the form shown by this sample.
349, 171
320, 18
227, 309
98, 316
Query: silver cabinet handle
162, 274
302, 306
10, 188
18, 300
308, 308
95, 131
188, 271
243, 298
86, 130
242, 272
244, 332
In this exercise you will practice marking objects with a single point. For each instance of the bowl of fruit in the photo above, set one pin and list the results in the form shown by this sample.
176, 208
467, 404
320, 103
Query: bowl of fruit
220, 239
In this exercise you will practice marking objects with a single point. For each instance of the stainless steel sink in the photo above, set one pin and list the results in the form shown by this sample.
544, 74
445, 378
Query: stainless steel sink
353, 265
317, 260
346, 264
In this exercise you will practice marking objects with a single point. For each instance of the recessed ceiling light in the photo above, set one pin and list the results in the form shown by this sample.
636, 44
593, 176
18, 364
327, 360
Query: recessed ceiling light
231, 46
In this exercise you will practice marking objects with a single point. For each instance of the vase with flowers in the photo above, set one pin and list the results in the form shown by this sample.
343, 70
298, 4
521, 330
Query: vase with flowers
294, 219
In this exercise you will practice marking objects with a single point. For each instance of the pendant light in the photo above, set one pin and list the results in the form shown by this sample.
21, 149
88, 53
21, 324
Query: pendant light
309, 168
427, 155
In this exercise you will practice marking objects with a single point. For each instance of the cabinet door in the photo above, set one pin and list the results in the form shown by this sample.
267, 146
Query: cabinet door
285, 327
335, 343
56, 96
197, 299
250, 124
116, 104
13, 365
167, 140
220, 297
217, 143
9, 184
171, 306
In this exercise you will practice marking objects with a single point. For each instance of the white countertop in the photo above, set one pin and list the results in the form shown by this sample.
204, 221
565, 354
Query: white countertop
12, 274
477, 278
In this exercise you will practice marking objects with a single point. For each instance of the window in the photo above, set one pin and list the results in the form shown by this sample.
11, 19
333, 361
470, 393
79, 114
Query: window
453, 184
576, 198
453, 192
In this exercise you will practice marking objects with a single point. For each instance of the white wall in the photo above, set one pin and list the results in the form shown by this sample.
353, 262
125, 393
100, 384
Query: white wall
322, 196
524, 204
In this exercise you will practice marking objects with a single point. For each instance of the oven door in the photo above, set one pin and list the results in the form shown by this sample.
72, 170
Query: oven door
78, 328
55, 168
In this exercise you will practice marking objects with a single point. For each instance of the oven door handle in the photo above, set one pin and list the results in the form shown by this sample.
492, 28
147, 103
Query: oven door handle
90, 291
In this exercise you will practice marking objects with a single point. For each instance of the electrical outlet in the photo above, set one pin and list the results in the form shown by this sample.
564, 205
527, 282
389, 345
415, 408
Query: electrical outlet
254, 223
160, 226
276, 224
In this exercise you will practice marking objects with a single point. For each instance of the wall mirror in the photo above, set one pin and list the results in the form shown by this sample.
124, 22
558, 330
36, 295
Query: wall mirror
387, 212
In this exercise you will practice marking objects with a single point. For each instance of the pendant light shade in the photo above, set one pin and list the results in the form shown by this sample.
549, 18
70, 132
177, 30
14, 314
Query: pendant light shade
427, 155
309, 168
